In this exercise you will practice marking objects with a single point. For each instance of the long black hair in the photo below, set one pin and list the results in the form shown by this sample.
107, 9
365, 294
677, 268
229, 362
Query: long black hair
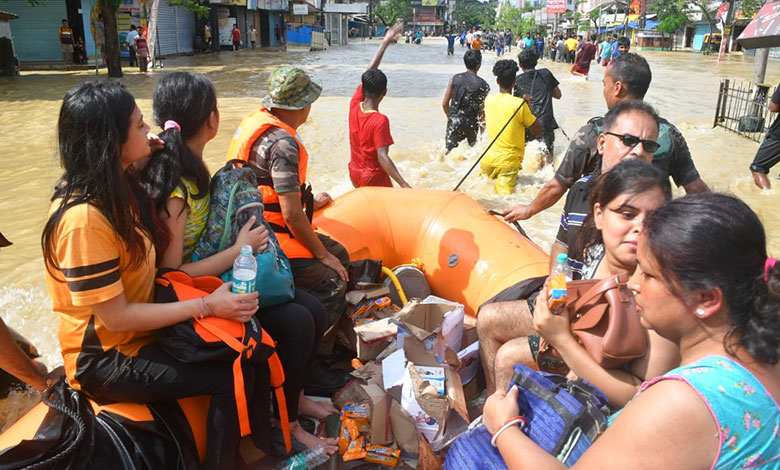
630, 177
94, 123
712, 240
188, 99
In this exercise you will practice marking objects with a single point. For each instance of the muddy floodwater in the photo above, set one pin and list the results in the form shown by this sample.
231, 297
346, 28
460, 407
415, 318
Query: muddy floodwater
684, 90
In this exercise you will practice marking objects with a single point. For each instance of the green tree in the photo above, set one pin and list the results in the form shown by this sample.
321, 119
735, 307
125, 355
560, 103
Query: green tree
195, 6
750, 7
393, 10
473, 13
509, 18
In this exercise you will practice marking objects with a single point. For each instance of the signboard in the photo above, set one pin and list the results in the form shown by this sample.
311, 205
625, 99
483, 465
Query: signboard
300, 9
764, 30
251, 4
556, 6
633, 10
431, 3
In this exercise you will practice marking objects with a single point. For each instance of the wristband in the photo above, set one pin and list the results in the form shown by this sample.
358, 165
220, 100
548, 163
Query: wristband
512, 421
205, 310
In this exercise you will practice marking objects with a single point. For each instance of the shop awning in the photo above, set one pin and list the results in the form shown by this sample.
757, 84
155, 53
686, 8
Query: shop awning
764, 30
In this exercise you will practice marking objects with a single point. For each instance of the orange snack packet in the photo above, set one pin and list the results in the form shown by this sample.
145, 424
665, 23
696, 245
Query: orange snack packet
383, 455
356, 450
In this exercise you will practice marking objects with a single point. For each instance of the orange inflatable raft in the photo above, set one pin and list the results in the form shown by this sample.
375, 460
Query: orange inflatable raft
468, 255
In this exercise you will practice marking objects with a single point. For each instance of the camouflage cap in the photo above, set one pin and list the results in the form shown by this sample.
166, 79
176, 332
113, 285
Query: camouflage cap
291, 88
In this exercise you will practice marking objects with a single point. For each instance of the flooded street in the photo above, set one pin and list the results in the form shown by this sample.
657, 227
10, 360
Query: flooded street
684, 90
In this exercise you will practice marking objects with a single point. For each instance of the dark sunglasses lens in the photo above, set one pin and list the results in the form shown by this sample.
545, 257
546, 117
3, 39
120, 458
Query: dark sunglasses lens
650, 146
630, 140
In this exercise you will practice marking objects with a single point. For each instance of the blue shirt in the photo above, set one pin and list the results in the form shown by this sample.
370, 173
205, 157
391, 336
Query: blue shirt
450, 40
615, 52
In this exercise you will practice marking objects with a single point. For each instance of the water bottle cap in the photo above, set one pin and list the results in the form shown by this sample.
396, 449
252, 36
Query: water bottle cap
246, 250
563, 258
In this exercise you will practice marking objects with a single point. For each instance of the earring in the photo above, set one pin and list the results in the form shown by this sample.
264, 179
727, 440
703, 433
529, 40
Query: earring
700, 312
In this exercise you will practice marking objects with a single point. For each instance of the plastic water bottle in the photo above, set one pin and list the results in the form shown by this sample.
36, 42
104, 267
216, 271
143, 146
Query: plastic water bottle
244, 271
306, 460
561, 274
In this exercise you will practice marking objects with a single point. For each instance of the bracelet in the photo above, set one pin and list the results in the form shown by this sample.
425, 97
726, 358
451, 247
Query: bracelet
205, 310
512, 421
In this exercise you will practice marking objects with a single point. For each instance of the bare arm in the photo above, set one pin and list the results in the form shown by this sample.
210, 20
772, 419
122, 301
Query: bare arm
387, 164
14, 361
556, 93
774, 107
391, 37
549, 195
697, 186
536, 128
667, 416
215, 264
445, 102
121, 316
299, 225
557, 248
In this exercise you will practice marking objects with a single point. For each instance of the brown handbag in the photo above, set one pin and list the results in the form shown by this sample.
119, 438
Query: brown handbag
604, 320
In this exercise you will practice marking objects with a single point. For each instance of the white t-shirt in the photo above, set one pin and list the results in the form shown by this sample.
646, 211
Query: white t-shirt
130, 39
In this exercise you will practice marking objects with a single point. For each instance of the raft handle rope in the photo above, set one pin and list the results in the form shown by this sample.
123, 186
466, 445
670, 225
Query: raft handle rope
390, 274
75, 442
515, 223
488, 147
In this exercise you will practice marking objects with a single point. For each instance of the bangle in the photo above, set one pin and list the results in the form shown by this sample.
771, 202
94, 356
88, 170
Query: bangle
205, 310
512, 421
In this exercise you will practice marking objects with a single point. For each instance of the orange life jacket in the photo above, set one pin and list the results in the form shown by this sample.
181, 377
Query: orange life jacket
250, 129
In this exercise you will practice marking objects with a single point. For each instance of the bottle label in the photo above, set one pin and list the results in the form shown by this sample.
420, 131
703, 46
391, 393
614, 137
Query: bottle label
243, 287
298, 462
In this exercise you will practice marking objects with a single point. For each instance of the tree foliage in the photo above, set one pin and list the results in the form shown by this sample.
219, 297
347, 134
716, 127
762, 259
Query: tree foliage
750, 7
473, 13
509, 18
195, 6
393, 10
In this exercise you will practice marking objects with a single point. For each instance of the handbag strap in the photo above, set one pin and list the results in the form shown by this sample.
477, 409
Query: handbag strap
226, 228
600, 288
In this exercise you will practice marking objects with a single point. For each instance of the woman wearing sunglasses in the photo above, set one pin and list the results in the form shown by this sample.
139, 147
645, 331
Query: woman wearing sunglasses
705, 283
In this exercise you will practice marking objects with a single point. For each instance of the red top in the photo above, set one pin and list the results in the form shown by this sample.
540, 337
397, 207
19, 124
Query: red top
368, 130
236, 35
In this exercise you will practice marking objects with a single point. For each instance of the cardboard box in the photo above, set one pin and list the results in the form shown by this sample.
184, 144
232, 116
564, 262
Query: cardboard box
372, 338
404, 429
356, 390
436, 323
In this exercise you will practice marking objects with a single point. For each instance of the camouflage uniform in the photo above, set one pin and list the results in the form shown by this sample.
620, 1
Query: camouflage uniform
277, 155
672, 157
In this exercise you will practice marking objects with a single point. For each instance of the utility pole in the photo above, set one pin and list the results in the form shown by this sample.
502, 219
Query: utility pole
759, 67
726, 31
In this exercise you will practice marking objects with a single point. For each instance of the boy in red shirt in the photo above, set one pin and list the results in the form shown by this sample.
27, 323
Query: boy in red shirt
369, 130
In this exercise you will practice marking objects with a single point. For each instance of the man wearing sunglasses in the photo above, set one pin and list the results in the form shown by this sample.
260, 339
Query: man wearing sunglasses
627, 78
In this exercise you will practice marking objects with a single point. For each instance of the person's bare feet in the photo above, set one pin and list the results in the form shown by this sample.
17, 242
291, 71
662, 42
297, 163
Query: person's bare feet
315, 409
311, 441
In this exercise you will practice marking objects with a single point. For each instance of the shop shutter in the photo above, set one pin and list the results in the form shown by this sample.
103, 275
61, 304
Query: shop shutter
185, 29
166, 29
36, 31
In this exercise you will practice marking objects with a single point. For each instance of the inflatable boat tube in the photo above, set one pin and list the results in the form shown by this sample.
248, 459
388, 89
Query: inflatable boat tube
468, 255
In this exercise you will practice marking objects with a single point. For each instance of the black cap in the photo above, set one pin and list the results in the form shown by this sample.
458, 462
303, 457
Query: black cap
4, 241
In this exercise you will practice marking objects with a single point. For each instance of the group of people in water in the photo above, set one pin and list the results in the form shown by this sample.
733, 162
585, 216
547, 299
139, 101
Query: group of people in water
130, 202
